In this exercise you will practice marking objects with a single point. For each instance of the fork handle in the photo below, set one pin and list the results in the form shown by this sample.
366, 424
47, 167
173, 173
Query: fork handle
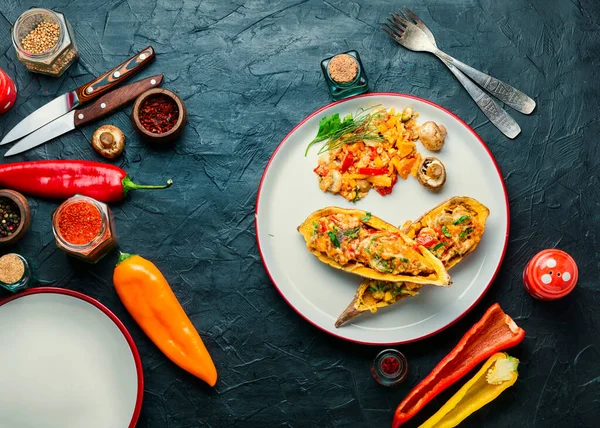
503, 91
498, 116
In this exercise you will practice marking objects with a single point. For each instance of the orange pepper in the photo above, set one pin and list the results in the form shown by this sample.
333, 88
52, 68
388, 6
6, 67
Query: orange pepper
149, 299
406, 167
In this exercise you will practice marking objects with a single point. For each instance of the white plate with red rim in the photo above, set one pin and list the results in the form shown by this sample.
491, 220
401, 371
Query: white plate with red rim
67, 362
289, 192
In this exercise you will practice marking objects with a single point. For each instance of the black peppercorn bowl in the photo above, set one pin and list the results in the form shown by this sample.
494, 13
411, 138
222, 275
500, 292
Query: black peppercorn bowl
21, 202
164, 137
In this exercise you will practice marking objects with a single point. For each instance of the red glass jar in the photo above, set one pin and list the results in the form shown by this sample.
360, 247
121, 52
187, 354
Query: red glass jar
8, 92
550, 275
99, 245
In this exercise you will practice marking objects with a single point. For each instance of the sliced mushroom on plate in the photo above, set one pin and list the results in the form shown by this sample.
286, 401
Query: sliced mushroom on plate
431, 173
432, 135
108, 141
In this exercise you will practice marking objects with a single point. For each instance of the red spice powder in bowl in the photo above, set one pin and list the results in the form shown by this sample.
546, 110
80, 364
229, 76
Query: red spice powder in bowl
79, 223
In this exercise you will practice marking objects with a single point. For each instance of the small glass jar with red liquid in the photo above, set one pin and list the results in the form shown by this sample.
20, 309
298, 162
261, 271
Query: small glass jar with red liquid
390, 367
8, 92
550, 275
84, 228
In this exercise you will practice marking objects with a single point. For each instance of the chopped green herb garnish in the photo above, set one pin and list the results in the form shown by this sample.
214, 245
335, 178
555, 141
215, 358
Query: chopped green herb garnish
462, 218
464, 234
334, 239
352, 233
271, 235
438, 246
372, 289
445, 232
403, 260
316, 228
356, 196
366, 218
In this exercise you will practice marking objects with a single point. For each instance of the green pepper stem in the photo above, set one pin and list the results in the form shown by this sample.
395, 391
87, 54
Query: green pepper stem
123, 257
130, 185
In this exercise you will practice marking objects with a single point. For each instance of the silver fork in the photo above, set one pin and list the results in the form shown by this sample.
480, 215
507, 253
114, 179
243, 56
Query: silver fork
412, 37
503, 91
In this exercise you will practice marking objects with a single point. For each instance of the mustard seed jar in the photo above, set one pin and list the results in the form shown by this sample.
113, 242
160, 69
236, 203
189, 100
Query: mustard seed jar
44, 42
84, 228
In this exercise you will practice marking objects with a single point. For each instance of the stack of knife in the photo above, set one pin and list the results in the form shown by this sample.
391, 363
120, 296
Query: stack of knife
64, 113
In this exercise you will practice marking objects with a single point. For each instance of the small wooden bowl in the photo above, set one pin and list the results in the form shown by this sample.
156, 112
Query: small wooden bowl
21, 203
168, 136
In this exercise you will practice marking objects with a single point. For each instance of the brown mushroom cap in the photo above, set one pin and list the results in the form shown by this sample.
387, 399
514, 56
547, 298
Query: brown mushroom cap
108, 141
431, 173
432, 135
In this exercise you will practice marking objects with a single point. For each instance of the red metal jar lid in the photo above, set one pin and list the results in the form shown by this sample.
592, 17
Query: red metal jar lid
551, 274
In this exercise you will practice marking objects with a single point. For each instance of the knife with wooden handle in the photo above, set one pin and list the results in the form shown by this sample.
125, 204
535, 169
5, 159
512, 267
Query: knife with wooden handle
80, 96
105, 105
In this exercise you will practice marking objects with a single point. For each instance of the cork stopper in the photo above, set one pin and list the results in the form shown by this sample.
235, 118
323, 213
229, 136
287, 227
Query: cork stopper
343, 68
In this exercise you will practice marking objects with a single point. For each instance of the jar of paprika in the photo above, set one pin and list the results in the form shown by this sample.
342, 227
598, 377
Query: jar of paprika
8, 92
84, 228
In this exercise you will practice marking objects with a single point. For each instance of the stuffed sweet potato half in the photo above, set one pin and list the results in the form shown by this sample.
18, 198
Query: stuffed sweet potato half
357, 242
450, 231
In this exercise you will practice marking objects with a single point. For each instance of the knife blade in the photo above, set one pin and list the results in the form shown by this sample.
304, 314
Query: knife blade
104, 106
80, 96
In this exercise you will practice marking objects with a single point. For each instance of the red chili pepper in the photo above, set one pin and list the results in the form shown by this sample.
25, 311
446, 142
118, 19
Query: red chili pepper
373, 171
494, 332
62, 179
387, 190
348, 161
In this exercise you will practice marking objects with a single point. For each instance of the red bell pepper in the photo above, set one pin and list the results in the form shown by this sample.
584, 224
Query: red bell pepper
387, 190
373, 171
62, 179
494, 332
372, 153
348, 161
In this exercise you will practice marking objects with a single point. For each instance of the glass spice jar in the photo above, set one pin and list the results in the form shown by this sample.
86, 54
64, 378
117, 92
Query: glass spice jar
84, 228
390, 367
28, 32
345, 75
15, 272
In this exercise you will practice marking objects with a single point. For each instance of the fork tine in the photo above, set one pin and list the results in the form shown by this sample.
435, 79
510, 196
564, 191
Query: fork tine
400, 21
395, 30
405, 16
395, 27
392, 35
414, 17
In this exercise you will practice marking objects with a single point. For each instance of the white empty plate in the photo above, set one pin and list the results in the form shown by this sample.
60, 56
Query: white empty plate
289, 192
66, 361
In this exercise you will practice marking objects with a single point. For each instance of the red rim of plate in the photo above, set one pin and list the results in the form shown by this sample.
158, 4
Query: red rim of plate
113, 317
393, 94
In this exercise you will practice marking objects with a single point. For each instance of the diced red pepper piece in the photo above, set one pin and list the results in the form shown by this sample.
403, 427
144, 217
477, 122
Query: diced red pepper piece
494, 332
373, 153
373, 171
348, 161
321, 170
387, 190
426, 240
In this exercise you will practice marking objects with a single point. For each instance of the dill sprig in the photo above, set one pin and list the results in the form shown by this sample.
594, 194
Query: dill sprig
352, 129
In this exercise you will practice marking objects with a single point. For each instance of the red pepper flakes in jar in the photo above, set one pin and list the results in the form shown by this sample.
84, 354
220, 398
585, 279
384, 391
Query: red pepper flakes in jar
158, 114
390, 367
84, 228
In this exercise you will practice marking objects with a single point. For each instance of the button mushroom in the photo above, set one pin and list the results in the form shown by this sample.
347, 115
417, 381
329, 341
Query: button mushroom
431, 173
108, 141
432, 135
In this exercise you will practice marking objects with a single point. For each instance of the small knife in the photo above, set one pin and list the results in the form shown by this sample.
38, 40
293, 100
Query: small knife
104, 106
80, 96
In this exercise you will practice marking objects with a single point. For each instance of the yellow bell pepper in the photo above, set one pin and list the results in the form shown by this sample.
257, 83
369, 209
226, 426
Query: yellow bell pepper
498, 373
